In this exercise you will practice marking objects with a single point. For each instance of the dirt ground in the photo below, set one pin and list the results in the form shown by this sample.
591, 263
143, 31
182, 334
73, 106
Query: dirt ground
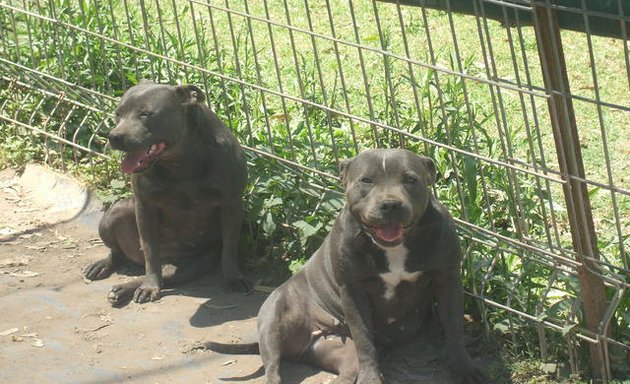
57, 328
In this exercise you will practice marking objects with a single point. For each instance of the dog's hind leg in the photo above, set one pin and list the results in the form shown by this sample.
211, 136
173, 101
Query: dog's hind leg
119, 232
281, 331
337, 354
270, 353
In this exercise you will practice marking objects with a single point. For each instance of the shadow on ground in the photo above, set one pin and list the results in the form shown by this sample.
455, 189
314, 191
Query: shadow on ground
56, 328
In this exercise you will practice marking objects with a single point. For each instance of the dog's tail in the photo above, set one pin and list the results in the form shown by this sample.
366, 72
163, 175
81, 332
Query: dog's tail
259, 373
231, 349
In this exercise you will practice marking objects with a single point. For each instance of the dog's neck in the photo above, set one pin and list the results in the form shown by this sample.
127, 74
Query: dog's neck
202, 142
186, 163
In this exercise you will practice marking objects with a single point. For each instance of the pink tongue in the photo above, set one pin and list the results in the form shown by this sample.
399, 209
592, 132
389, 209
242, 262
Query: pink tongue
389, 232
131, 161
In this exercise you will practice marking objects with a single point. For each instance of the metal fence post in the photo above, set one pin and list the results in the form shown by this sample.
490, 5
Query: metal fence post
567, 143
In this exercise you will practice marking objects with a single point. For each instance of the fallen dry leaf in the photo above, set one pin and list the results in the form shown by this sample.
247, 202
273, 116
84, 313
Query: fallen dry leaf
22, 262
24, 274
7, 231
35, 247
9, 332
229, 362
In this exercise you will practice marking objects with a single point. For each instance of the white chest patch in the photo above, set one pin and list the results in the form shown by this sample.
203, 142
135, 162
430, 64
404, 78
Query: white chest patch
396, 258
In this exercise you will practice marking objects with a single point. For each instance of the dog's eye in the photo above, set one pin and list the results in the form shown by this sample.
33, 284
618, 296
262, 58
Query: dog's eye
409, 179
367, 180
145, 113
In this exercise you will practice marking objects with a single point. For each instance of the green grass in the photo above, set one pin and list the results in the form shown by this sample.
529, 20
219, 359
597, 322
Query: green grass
288, 211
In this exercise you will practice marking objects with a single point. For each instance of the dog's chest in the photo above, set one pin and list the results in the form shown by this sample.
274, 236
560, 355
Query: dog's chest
396, 258
182, 194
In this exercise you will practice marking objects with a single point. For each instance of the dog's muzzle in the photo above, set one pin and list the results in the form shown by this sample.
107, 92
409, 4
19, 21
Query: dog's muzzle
142, 159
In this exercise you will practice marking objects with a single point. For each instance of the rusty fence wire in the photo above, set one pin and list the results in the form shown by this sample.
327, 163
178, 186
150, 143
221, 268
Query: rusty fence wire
523, 104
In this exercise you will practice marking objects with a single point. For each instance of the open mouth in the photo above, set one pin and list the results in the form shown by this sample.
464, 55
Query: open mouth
141, 160
388, 234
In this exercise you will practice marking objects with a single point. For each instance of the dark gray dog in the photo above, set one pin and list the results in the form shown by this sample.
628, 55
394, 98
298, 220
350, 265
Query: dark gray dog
371, 283
188, 173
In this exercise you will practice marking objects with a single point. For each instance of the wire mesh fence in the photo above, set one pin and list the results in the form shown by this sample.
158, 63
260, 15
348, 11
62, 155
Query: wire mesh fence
523, 105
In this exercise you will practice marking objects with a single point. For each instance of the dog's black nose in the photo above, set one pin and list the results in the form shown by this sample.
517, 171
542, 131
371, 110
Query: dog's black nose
390, 205
116, 139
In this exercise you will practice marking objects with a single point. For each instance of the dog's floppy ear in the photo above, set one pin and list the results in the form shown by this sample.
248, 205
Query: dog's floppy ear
190, 94
343, 170
430, 168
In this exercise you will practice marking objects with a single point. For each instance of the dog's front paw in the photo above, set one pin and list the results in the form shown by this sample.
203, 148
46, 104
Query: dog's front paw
120, 295
147, 292
237, 282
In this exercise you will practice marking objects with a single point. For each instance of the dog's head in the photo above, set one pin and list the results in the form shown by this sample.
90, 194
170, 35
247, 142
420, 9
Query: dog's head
387, 191
151, 119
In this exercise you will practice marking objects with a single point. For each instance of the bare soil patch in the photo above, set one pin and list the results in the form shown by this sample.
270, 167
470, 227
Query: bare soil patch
57, 328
